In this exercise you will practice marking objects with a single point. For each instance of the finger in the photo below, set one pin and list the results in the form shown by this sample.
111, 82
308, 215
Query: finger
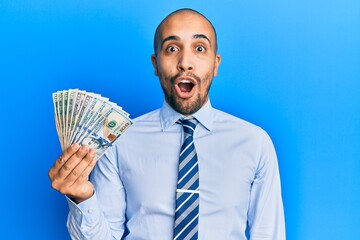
83, 189
66, 155
62, 160
59, 181
88, 161
72, 162
83, 180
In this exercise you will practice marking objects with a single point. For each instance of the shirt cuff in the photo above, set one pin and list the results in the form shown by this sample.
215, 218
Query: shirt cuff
86, 212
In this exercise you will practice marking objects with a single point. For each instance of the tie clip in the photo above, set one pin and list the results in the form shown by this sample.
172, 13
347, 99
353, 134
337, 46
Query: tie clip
187, 191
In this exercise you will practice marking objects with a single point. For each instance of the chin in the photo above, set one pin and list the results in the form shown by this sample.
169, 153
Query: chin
185, 107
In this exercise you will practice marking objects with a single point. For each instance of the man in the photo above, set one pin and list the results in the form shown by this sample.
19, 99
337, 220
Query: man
225, 181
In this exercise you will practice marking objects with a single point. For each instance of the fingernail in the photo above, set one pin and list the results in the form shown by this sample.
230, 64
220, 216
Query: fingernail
84, 147
74, 145
92, 152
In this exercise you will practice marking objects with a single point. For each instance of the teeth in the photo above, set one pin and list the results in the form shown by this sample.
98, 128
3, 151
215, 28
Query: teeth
185, 81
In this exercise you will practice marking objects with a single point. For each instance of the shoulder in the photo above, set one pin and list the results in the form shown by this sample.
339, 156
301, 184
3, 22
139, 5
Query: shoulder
224, 118
224, 121
243, 133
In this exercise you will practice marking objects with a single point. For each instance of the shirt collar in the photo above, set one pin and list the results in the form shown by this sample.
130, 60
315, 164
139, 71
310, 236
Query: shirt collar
168, 116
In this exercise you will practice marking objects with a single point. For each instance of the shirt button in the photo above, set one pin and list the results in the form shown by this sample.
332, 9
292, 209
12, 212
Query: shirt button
90, 211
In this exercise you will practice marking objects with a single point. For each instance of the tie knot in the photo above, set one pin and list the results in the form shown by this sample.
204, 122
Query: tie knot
189, 125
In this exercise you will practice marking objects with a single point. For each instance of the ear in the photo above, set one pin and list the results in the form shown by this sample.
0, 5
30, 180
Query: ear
217, 63
154, 63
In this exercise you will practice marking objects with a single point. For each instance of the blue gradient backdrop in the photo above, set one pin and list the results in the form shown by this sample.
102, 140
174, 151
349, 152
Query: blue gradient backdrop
292, 67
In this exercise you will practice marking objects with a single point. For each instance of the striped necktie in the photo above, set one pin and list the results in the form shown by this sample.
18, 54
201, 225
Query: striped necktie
187, 193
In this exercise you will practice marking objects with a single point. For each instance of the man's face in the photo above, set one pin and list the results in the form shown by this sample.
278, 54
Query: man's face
186, 61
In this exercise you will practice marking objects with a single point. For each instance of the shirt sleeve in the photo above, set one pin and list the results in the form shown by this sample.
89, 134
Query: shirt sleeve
103, 215
266, 214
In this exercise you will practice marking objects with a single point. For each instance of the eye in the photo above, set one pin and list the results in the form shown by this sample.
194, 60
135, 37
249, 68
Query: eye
200, 48
172, 49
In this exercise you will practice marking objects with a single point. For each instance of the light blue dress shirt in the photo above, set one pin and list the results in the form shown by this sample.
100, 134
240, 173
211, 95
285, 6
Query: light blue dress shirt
135, 181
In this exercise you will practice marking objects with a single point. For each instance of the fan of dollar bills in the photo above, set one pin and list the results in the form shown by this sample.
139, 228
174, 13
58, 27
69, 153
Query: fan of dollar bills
88, 118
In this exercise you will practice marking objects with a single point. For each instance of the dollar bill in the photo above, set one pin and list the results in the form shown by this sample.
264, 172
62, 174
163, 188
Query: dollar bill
56, 114
70, 104
109, 127
77, 103
61, 122
92, 112
65, 96
82, 129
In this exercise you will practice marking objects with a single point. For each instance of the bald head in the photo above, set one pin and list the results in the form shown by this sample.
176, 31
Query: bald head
180, 12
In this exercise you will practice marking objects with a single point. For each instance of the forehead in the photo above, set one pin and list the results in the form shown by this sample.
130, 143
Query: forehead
186, 24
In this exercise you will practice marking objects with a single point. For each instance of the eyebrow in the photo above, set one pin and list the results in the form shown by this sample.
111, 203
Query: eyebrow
203, 36
169, 38
174, 37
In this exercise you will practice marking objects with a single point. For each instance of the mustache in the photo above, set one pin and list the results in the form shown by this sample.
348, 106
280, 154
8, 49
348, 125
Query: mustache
197, 79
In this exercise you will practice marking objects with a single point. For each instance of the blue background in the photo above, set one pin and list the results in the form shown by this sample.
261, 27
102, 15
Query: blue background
290, 66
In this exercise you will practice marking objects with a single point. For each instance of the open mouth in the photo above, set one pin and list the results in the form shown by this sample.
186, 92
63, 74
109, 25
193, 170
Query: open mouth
185, 86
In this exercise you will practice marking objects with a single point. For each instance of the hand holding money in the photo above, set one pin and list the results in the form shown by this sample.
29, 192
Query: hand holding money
70, 173
87, 124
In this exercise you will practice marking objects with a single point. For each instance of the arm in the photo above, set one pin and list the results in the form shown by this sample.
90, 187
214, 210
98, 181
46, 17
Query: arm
266, 214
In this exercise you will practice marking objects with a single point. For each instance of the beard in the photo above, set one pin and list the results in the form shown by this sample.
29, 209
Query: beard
185, 106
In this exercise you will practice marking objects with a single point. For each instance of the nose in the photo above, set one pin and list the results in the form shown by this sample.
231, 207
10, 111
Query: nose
185, 62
